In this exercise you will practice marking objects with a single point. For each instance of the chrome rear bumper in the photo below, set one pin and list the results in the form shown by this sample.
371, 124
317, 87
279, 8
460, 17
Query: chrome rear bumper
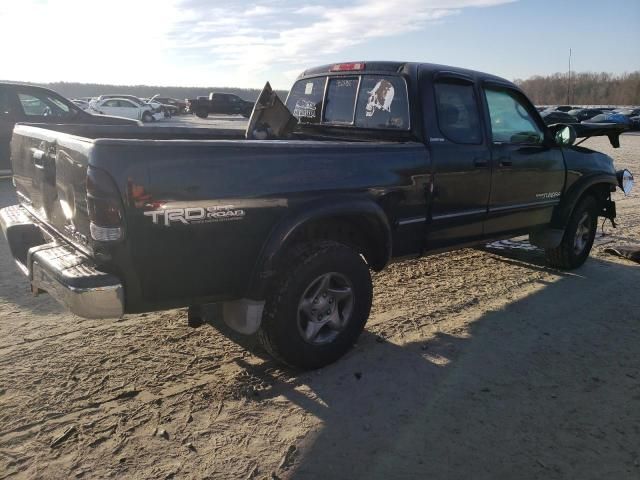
57, 268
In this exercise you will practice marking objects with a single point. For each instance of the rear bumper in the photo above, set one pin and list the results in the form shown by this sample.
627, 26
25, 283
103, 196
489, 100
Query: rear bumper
57, 268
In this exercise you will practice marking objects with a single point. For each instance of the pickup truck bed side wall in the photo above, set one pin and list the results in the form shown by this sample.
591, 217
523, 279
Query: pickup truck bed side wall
262, 185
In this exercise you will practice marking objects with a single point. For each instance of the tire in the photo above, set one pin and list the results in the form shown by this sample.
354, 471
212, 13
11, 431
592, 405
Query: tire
318, 276
147, 117
578, 236
202, 113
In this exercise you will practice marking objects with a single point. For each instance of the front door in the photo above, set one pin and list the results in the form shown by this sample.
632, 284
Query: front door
528, 168
461, 164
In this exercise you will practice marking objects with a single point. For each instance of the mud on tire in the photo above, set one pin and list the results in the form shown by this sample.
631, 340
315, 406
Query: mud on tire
292, 314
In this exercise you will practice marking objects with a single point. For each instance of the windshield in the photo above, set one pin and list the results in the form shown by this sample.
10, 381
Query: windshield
366, 101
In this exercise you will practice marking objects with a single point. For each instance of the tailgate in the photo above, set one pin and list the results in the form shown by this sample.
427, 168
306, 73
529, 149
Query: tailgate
50, 170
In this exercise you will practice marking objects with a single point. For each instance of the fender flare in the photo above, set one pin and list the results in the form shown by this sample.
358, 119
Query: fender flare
372, 216
569, 200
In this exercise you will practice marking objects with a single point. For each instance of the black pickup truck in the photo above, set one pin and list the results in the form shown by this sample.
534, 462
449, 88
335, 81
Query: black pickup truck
221, 103
379, 162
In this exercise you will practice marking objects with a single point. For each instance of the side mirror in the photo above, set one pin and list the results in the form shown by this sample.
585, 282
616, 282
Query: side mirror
564, 134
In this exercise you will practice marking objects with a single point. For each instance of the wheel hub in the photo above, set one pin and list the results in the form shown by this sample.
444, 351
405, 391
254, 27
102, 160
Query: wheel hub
325, 308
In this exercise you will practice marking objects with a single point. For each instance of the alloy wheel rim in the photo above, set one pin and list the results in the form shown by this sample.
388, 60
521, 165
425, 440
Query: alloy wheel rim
325, 308
583, 233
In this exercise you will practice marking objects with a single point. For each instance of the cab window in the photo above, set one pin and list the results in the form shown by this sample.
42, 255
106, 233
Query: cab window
511, 122
341, 100
366, 101
305, 100
382, 103
457, 111
42, 105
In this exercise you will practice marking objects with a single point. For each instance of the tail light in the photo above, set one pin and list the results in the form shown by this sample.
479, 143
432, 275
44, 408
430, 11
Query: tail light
105, 208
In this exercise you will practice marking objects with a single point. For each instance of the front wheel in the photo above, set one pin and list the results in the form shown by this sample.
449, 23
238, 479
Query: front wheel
147, 117
578, 236
202, 113
319, 307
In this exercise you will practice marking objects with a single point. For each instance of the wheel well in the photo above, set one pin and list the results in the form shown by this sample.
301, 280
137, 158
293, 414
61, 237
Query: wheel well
354, 231
602, 193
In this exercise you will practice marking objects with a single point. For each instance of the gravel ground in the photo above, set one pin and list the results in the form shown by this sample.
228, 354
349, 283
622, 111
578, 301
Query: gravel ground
474, 364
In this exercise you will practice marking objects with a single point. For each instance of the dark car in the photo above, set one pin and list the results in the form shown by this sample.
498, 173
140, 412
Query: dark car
583, 114
27, 103
551, 117
617, 118
365, 163
561, 108
628, 112
221, 103
180, 105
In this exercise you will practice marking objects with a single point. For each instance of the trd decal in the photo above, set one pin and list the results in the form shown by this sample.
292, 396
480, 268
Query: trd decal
195, 215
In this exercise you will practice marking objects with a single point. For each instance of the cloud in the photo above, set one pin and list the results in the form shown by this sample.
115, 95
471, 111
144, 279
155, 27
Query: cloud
314, 33
190, 42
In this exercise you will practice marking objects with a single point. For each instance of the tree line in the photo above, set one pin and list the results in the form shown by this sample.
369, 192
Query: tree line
586, 88
78, 90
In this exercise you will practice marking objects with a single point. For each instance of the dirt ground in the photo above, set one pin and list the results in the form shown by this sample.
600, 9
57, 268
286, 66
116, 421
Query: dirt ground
479, 364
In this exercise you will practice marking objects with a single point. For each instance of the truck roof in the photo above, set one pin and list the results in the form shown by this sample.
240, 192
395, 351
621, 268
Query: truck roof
401, 67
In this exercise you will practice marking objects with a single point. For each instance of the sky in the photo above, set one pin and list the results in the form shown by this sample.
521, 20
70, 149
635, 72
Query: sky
239, 43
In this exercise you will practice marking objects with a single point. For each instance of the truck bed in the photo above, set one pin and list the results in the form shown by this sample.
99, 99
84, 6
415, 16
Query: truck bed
185, 170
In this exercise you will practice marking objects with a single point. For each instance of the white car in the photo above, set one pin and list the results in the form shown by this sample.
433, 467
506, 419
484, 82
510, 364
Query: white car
123, 107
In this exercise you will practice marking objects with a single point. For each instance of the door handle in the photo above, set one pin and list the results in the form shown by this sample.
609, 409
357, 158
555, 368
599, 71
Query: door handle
506, 162
479, 162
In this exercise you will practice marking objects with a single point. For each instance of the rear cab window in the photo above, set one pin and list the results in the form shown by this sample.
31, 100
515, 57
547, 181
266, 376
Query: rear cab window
365, 100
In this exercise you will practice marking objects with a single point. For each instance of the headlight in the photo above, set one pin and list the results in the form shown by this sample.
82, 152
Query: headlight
625, 180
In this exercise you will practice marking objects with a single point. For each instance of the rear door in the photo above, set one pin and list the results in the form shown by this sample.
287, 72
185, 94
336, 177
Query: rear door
528, 168
461, 161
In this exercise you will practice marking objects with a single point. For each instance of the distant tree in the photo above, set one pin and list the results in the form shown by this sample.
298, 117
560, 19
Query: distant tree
587, 88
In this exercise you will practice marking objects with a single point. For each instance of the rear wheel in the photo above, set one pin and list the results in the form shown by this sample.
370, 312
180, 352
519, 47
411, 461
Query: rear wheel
319, 306
578, 236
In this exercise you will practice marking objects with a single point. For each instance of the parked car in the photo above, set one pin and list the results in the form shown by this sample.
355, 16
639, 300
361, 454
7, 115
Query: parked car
617, 118
628, 112
220, 103
179, 105
124, 107
551, 117
156, 107
284, 233
83, 104
585, 113
561, 108
27, 103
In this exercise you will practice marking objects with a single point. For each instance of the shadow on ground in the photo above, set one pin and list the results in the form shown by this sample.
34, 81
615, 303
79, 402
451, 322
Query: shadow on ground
546, 387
